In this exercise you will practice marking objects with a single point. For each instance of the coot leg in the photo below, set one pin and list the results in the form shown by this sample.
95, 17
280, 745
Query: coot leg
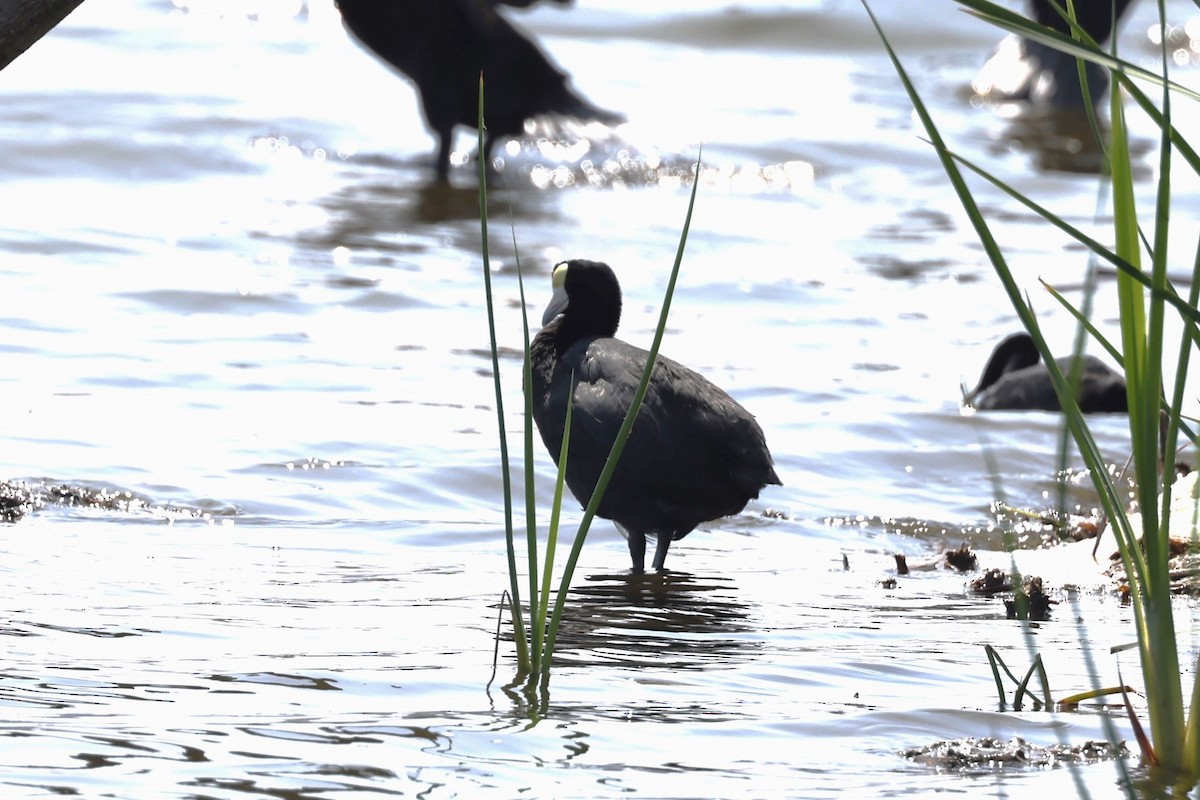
660, 550
442, 156
637, 547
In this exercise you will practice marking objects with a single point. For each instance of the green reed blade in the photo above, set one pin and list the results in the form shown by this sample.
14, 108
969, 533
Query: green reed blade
1108, 495
523, 660
536, 630
1187, 310
614, 455
1181, 145
555, 514
1084, 48
1152, 606
1092, 331
996, 662
531, 543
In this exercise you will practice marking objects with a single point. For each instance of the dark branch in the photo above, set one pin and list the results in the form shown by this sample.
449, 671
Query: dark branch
23, 22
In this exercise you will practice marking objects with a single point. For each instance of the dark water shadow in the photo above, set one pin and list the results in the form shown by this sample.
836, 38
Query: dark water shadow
1062, 140
672, 620
378, 212
383, 196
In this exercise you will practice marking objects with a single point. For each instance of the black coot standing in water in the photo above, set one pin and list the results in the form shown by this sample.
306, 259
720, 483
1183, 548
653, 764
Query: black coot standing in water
443, 45
1016, 380
694, 453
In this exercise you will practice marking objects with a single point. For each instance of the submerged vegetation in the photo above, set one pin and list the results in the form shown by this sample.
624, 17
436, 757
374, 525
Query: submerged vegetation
1146, 298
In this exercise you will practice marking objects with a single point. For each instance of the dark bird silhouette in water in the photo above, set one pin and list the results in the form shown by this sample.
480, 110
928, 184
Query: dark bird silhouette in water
1016, 380
443, 45
694, 454
1022, 69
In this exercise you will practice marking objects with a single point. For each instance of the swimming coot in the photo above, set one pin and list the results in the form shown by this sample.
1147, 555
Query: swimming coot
443, 45
1015, 379
694, 453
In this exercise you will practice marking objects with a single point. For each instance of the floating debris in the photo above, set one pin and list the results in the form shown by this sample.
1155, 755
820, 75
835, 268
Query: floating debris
1184, 570
1051, 525
991, 582
1031, 602
14, 502
989, 753
21, 498
961, 559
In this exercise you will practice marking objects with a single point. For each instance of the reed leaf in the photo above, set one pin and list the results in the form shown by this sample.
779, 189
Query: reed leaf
518, 622
556, 510
614, 455
1144, 298
1089, 451
535, 651
1084, 47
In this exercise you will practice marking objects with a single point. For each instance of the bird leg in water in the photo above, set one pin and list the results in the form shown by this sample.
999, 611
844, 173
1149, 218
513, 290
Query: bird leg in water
660, 550
637, 546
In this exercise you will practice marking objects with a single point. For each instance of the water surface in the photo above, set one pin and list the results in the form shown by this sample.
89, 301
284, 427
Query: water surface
231, 292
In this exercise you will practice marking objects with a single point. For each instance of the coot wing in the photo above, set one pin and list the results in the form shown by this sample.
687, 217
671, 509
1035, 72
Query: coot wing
694, 453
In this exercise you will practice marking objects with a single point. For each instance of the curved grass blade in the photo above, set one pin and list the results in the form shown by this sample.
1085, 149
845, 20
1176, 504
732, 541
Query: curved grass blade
1071, 702
622, 435
1167, 293
1084, 48
1035, 667
555, 515
1109, 498
523, 659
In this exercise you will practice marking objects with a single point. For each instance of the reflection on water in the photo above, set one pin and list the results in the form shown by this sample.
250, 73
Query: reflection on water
672, 621
1062, 140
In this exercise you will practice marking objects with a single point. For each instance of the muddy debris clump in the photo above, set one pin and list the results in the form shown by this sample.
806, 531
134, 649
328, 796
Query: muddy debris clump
973, 755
